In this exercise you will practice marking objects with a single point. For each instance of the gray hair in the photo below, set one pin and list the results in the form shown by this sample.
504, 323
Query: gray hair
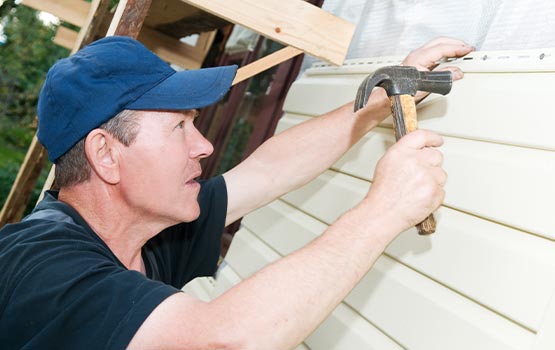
73, 167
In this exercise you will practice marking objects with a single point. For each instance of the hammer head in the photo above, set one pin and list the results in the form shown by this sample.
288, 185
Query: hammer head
403, 80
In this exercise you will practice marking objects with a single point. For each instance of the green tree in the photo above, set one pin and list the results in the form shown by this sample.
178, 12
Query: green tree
25, 57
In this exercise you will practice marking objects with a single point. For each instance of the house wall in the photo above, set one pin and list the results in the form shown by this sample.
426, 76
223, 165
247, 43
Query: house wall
485, 279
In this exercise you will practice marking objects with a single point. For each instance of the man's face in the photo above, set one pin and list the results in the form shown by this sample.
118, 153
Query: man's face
159, 168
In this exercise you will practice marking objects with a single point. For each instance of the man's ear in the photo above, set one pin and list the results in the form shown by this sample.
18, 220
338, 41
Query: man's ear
102, 152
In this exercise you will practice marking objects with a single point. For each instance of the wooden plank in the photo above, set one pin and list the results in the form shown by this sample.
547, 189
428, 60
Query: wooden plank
423, 315
265, 63
174, 51
290, 22
93, 27
21, 190
129, 17
71, 11
167, 48
65, 37
84, 14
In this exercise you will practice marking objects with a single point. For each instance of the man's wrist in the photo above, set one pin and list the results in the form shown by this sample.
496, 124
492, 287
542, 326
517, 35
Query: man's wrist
373, 222
376, 110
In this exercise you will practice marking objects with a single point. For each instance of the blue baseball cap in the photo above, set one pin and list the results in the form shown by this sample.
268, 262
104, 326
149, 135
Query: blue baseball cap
92, 86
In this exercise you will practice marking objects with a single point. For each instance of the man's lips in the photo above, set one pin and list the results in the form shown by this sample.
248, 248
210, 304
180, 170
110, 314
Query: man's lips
192, 178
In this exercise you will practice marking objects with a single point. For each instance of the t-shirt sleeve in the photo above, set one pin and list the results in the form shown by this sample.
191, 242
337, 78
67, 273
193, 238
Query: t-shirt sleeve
189, 250
86, 299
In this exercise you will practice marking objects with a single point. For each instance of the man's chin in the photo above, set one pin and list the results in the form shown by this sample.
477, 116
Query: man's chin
190, 215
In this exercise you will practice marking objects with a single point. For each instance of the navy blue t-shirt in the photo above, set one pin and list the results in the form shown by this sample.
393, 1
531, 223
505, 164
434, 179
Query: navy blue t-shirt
62, 287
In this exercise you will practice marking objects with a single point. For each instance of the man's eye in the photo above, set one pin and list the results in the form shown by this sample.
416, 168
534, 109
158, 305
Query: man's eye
180, 125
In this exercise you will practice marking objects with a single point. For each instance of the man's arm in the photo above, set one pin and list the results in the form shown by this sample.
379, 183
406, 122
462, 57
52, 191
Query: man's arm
283, 303
299, 154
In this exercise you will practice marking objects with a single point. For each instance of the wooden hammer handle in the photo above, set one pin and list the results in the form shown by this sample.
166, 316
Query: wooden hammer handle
404, 121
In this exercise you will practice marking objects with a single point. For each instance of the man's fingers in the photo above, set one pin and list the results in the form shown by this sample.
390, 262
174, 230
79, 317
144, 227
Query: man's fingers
432, 156
441, 177
428, 55
419, 139
456, 72
444, 40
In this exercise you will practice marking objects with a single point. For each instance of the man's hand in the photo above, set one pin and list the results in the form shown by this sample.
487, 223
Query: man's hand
428, 56
408, 181
424, 58
291, 159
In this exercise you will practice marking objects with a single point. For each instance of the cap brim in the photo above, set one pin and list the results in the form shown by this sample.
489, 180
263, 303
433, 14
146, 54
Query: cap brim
187, 90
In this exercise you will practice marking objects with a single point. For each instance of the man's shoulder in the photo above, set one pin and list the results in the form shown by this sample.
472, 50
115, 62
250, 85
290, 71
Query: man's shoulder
42, 246
44, 231
56, 275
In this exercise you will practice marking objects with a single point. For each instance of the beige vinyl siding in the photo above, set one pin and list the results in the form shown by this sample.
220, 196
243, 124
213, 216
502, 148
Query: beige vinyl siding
486, 278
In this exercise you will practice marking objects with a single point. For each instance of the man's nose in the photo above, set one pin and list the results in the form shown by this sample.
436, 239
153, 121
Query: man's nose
201, 147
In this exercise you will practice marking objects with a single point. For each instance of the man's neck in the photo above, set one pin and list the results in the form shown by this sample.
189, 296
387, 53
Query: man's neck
123, 230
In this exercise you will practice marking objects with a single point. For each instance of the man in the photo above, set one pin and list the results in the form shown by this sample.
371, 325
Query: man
88, 269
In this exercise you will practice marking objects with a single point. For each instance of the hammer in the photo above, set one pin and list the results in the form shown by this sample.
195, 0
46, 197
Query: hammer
401, 84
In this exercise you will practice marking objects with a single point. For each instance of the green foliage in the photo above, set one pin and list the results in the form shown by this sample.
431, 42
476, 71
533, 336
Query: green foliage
25, 57
7, 175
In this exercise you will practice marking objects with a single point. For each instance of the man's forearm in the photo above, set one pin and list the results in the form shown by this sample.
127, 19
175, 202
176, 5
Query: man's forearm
281, 304
304, 151
297, 155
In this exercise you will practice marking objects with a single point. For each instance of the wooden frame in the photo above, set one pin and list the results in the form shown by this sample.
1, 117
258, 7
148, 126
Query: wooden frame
290, 22
71, 11
168, 48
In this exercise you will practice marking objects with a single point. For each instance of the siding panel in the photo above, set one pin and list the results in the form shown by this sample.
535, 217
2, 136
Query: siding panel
423, 315
485, 179
485, 279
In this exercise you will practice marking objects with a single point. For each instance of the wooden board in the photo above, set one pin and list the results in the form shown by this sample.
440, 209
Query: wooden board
178, 19
71, 11
290, 22
65, 37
